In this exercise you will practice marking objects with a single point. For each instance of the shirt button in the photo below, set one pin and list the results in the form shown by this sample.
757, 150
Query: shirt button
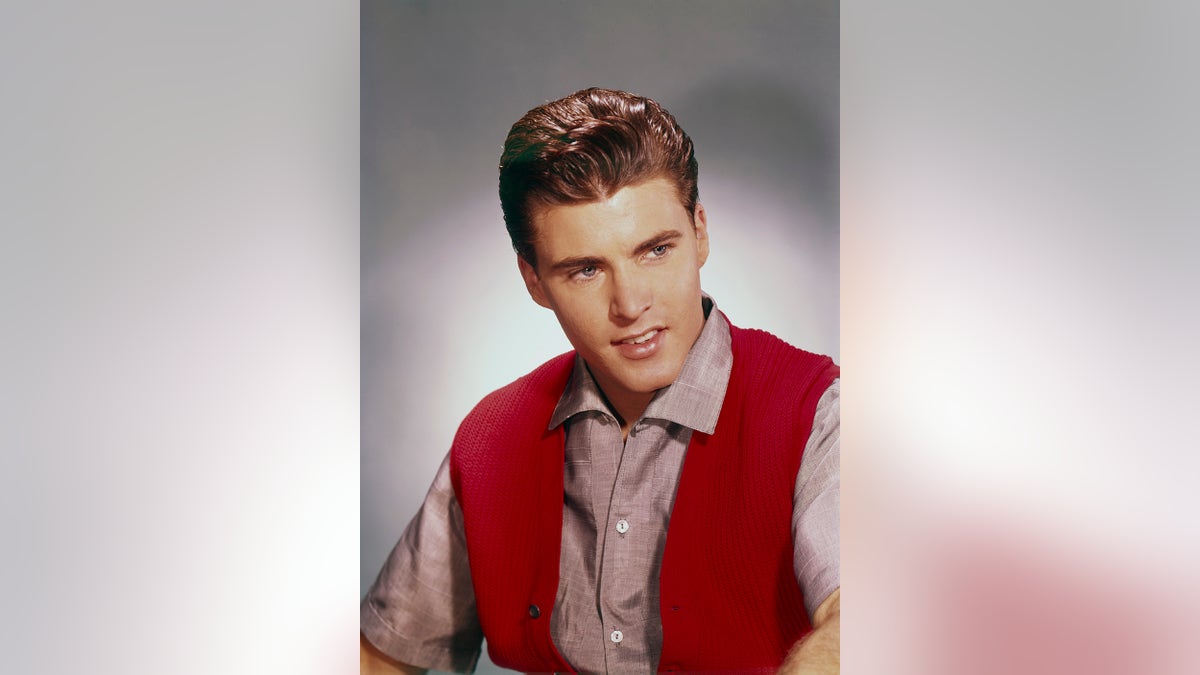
616, 636
622, 526
534, 611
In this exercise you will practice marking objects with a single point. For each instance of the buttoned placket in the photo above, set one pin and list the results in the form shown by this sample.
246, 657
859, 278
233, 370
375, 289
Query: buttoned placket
623, 550
617, 507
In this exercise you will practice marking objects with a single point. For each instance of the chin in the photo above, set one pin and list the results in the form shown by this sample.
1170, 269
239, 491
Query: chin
651, 384
648, 388
641, 380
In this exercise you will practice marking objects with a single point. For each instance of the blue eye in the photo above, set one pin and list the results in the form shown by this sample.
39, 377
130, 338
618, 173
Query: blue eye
660, 250
587, 272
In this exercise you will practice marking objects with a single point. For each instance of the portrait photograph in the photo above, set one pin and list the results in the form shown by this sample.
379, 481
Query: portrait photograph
448, 313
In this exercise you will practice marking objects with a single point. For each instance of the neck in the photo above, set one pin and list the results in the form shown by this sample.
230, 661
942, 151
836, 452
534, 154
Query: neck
630, 410
627, 406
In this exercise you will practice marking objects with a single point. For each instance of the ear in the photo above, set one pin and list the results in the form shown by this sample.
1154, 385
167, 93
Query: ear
533, 283
700, 224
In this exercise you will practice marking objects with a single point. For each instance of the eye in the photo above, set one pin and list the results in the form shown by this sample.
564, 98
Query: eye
660, 251
587, 272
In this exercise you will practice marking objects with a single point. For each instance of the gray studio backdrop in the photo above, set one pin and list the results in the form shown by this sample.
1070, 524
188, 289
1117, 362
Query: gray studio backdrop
445, 317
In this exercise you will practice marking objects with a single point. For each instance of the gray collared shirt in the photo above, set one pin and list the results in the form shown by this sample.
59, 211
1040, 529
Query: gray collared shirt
617, 504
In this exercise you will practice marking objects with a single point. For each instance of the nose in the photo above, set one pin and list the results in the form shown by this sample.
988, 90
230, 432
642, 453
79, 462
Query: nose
630, 296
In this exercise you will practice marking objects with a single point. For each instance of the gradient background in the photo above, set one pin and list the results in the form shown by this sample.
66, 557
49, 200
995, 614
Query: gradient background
445, 316
179, 378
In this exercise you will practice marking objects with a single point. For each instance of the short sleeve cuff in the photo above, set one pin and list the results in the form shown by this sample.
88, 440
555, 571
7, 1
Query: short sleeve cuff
432, 656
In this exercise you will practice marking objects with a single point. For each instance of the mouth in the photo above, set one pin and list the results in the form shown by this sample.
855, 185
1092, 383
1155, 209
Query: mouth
639, 339
642, 345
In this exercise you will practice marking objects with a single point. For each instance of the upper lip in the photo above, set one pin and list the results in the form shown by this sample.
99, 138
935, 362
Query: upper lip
638, 334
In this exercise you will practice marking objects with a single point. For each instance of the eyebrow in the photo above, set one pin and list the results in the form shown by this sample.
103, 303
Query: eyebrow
591, 261
657, 240
575, 263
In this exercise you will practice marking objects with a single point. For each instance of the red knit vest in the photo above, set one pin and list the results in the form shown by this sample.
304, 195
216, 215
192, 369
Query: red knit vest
728, 595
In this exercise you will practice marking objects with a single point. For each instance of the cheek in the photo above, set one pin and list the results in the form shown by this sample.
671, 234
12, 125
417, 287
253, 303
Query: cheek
584, 313
680, 284
577, 324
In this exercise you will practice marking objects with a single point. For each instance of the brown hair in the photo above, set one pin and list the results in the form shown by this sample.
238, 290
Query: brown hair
586, 147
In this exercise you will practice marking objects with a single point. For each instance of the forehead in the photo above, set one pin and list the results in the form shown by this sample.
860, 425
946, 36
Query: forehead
621, 220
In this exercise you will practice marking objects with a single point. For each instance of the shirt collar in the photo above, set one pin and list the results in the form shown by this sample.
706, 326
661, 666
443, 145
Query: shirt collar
693, 400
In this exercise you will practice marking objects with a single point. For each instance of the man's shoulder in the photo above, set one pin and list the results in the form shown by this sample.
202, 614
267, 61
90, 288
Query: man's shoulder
509, 423
775, 371
758, 344
537, 389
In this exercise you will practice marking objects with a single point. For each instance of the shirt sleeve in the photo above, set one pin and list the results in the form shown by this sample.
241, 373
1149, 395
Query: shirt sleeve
816, 512
421, 608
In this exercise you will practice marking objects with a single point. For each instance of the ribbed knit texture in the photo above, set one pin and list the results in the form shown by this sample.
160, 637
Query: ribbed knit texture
507, 471
729, 598
728, 594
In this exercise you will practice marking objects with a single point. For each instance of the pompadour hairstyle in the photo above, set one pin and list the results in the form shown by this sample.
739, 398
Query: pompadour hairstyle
584, 148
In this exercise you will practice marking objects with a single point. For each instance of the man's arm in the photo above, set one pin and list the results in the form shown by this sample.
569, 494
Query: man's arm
371, 661
816, 533
421, 608
819, 652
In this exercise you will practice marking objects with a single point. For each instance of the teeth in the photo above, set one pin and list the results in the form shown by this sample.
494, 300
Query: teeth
641, 338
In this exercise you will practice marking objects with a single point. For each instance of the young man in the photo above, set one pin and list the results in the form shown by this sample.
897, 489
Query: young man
664, 497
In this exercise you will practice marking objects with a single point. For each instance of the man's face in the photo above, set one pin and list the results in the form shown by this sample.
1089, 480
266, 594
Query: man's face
623, 277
